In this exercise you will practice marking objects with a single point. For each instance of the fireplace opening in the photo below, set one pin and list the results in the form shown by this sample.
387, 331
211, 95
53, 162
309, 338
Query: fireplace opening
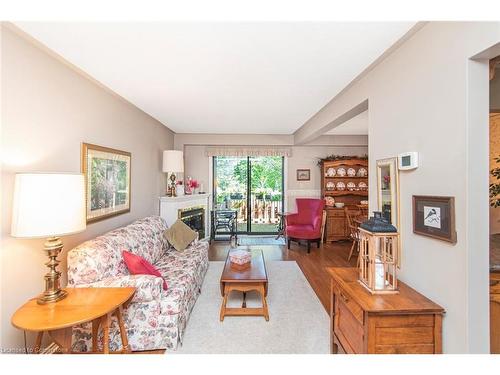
194, 217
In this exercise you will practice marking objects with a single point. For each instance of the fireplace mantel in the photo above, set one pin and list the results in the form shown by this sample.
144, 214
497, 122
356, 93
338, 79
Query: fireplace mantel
186, 197
170, 206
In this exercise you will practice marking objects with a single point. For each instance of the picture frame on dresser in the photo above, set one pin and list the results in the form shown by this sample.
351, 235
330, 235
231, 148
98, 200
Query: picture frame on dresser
434, 216
107, 174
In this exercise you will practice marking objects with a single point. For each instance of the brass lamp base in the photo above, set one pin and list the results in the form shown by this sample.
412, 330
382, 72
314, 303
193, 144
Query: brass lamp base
171, 188
53, 291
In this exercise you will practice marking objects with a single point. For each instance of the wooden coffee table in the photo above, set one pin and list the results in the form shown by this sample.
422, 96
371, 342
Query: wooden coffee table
253, 278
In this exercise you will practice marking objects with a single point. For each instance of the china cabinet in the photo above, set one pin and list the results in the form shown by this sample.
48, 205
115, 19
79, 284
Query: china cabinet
346, 181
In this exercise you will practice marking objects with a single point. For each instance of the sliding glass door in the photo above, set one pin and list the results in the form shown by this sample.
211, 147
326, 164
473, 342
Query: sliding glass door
254, 187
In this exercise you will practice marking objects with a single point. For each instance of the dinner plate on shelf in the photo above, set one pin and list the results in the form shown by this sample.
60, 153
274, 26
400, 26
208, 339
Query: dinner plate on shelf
330, 185
362, 172
330, 172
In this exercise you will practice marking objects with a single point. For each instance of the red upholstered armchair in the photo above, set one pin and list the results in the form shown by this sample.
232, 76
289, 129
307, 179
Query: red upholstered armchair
305, 225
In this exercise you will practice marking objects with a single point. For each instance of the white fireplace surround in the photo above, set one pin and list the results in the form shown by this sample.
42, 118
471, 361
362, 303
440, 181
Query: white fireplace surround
170, 206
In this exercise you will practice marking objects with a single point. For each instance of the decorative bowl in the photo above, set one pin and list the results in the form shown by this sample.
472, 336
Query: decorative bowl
340, 185
240, 257
330, 172
341, 171
351, 172
330, 185
339, 204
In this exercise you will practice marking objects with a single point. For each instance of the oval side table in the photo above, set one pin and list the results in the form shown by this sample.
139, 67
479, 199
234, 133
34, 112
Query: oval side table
82, 305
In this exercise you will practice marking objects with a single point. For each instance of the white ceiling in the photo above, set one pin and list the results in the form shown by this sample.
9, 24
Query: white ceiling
358, 125
259, 78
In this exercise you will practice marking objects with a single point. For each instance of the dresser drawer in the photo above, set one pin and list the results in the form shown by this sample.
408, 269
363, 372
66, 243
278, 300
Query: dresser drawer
335, 213
350, 304
348, 329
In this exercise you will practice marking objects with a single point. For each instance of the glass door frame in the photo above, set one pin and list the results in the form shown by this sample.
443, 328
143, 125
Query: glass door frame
248, 194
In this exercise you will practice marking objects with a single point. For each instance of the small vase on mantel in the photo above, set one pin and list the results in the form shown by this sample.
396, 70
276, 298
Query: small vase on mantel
179, 189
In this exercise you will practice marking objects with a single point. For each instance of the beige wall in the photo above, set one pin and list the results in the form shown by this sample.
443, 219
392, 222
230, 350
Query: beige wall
428, 96
48, 110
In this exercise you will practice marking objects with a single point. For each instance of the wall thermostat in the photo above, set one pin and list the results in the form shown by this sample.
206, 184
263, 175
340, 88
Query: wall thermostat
407, 161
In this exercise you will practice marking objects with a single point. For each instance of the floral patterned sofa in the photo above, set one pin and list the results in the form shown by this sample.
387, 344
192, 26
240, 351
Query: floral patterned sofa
155, 318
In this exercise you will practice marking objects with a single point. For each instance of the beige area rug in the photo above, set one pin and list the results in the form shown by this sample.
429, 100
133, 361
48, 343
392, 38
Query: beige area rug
298, 322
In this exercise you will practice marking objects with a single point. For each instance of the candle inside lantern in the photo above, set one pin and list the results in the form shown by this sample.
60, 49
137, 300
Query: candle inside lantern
379, 276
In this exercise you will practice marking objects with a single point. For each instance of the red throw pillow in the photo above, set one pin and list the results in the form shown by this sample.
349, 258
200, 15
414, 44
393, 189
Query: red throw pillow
139, 266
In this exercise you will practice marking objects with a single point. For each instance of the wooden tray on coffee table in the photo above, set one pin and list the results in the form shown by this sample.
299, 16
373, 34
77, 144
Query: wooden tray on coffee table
252, 278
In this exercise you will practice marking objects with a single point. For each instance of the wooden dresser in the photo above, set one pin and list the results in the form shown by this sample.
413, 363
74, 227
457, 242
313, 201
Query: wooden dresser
363, 323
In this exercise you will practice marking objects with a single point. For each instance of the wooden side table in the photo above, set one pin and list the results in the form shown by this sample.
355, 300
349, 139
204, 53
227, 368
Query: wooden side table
82, 305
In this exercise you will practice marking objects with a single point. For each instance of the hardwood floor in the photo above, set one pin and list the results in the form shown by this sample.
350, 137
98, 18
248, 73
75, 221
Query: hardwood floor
312, 265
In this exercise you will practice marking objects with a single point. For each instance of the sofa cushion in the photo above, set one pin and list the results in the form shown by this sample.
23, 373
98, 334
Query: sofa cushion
140, 266
179, 235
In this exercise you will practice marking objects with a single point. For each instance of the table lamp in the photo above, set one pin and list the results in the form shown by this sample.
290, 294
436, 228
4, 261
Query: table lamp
173, 162
49, 205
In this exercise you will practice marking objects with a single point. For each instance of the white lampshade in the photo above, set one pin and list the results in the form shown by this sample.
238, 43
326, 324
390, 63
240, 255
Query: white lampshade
48, 204
173, 161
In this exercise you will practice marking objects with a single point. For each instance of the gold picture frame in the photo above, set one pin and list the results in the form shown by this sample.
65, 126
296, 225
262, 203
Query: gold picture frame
107, 174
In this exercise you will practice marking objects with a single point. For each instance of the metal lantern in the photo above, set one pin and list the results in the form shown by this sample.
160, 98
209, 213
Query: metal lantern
378, 255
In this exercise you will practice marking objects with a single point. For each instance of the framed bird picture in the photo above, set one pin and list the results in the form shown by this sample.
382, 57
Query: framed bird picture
434, 217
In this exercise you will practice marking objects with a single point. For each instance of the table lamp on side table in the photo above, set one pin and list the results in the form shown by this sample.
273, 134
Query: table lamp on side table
49, 205
173, 162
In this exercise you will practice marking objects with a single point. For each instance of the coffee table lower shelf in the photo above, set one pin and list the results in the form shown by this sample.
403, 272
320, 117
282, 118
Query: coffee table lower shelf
243, 310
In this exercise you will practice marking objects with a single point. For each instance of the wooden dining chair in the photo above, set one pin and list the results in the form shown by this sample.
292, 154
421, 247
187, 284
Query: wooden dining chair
350, 214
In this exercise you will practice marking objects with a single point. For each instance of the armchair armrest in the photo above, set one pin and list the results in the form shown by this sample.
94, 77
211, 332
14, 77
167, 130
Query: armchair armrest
147, 287
291, 219
317, 222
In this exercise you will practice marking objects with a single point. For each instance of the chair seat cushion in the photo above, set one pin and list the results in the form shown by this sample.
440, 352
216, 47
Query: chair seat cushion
305, 232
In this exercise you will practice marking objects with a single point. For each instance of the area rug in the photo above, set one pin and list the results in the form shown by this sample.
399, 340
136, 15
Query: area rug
298, 322
260, 240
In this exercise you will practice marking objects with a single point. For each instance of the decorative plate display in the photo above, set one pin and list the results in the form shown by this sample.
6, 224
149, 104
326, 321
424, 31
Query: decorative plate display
351, 172
362, 185
330, 172
340, 185
362, 172
330, 185
329, 201
351, 186
341, 172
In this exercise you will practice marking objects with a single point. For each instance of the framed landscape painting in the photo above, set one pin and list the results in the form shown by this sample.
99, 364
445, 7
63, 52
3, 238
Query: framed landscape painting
107, 180
303, 174
434, 217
